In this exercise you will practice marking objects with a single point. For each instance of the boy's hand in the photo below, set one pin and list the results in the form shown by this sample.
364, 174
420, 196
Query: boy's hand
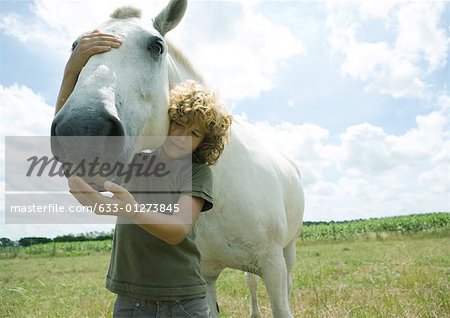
119, 205
89, 45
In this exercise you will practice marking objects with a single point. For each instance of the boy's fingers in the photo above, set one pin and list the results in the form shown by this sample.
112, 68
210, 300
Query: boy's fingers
98, 49
104, 43
100, 42
110, 38
105, 36
114, 188
84, 200
83, 191
78, 193
101, 46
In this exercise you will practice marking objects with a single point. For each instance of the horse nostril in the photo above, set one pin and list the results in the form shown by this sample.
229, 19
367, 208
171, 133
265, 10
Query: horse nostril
113, 127
55, 145
81, 123
53, 129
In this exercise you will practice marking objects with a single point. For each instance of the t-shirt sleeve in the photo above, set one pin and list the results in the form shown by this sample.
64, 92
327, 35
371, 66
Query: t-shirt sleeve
201, 185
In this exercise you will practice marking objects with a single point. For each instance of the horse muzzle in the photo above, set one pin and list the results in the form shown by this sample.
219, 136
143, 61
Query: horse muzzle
88, 143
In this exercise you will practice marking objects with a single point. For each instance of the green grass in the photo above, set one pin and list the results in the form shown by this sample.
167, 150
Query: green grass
396, 277
386, 276
55, 287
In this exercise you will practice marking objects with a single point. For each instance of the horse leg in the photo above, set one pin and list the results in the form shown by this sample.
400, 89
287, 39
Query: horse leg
289, 253
211, 296
274, 275
252, 283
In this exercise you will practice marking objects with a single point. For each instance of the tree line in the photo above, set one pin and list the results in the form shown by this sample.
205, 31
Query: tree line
33, 240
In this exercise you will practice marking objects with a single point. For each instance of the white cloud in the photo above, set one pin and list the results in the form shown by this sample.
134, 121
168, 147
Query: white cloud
368, 172
397, 68
24, 113
444, 102
419, 34
364, 150
367, 149
424, 140
437, 179
376, 9
306, 144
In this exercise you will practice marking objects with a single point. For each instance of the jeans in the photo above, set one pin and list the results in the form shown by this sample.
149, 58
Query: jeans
135, 308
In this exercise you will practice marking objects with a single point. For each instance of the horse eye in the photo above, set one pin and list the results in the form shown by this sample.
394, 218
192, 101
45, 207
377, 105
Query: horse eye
157, 47
74, 45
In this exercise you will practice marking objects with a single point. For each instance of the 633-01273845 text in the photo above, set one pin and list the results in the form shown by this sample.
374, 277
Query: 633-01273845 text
137, 207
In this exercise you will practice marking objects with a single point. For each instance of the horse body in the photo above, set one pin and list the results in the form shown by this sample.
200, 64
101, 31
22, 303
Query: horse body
256, 219
258, 198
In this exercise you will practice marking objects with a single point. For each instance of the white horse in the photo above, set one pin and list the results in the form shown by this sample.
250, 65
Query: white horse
259, 204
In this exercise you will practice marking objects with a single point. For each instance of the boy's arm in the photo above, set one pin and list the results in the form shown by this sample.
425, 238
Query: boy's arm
67, 86
169, 228
87, 46
172, 229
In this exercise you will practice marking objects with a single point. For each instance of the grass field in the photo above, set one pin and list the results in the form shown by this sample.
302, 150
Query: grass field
384, 276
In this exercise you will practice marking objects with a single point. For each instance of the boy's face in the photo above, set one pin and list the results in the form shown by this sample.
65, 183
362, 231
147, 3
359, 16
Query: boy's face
184, 139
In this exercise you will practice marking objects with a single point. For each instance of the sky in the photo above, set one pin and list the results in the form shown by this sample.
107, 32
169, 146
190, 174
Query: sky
357, 93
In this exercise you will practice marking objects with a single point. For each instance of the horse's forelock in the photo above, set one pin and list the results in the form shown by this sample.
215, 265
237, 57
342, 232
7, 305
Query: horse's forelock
126, 12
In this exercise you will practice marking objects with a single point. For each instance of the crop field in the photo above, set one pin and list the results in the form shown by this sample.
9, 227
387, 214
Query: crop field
382, 271
376, 226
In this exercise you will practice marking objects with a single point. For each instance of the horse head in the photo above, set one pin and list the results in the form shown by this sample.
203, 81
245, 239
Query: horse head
120, 94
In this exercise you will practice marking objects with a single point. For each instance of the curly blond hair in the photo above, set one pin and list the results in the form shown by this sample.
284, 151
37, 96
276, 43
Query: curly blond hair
192, 103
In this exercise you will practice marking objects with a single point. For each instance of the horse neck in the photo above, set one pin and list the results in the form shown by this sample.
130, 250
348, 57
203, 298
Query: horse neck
179, 67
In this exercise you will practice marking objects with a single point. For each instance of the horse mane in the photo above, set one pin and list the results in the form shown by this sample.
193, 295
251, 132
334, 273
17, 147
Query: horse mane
181, 58
126, 12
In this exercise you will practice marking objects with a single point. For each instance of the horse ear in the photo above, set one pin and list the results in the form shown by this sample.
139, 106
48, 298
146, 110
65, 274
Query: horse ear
170, 16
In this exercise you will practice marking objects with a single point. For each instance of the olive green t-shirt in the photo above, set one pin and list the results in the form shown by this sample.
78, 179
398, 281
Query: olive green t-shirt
142, 265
